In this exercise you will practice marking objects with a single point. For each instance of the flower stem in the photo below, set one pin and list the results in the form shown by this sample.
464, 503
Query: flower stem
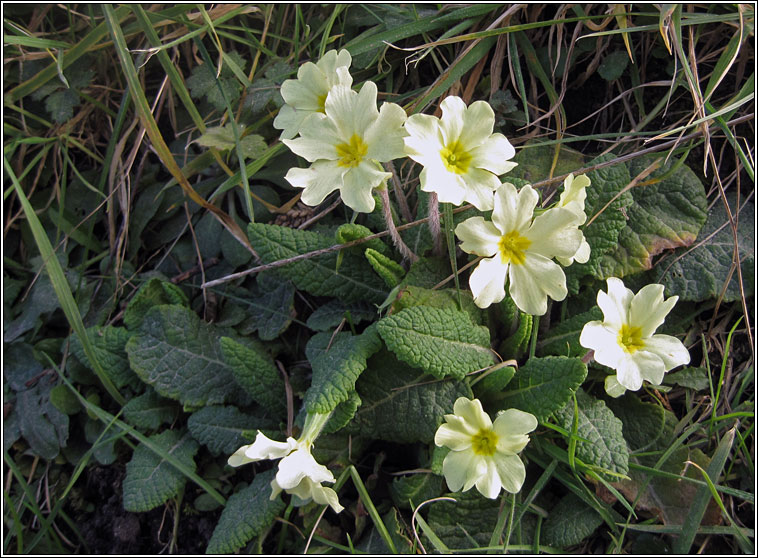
406, 252
450, 234
434, 223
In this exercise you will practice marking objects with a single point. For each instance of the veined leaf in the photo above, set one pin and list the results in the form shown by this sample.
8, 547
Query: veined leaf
255, 372
221, 428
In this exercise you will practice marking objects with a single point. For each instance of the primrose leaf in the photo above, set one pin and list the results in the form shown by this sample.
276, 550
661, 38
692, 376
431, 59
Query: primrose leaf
597, 424
613, 65
699, 273
255, 372
150, 294
441, 341
108, 343
151, 479
149, 410
202, 85
355, 280
222, 138
665, 215
389, 390
569, 522
246, 515
270, 312
412, 295
466, 523
336, 370
411, 490
563, 338
179, 355
331, 313
543, 385
221, 428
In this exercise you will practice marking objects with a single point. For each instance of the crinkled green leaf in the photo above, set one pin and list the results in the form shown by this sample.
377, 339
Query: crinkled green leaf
569, 522
108, 342
179, 355
602, 233
353, 231
412, 295
388, 269
202, 84
699, 273
596, 422
441, 341
19, 365
330, 314
336, 370
61, 105
665, 215
149, 410
411, 490
43, 426
221, 429
270, 311
247, 514
64, 400
42, 300
150, 294
374, 543
494, 382
427, 272
535, 162
254, 370
691, 377
543, 385
466, 523
353, 282
646, 426
400, 404
150, 479
516, 344
343, 413
222, 138
105, 450
563, 338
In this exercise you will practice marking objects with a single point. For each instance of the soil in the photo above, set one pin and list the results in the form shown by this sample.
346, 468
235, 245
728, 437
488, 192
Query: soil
109, 529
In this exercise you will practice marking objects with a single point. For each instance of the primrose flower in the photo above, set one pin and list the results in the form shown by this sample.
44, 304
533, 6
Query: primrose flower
484, 453
572, 198
299, 473
461, 156
307, 94
625, 339
521, 249
346, 145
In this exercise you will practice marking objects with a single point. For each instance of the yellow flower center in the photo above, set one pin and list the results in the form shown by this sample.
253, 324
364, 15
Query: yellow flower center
351, 154
484, 442
321, 103
630, 338
455, 158
513, 248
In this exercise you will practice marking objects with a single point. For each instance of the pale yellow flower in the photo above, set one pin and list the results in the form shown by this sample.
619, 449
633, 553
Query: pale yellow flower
307, 94
484, 454
625, 341
519, 248
572, 198
462, 158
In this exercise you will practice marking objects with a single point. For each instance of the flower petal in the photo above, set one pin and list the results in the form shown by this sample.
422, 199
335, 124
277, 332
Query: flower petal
480, 185
648, 310
299, 464
319, 138
451, 123
358, 182
533, 281
470, 410
512, 472
613, 387
424, 143
493, 155
514, 423
449, 187
320, 180
239, 458
289, 121
453, 435
487, 281
640, 365
384, 136
671, 351
478, 122
478, 236
489, 483
603, 339
514, 209
265, 448
554, 233
615, 303
460, 469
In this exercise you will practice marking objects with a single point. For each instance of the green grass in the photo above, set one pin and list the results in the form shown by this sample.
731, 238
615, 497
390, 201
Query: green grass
106, 187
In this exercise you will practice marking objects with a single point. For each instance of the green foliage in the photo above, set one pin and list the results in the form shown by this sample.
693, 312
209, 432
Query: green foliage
699, 272
613, 65
149, 410
667, 213
318, 275
270, 311
410, 491
441, 341
203, 83
180, 357
221, 429
543, 385
569, 522
108, 343
388, 269
247, 514
466, 523
150, 478
222, 138
605, 446
563, 339
336, 368
150, 294
389, 389
254, 370
413, 295
330, 315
